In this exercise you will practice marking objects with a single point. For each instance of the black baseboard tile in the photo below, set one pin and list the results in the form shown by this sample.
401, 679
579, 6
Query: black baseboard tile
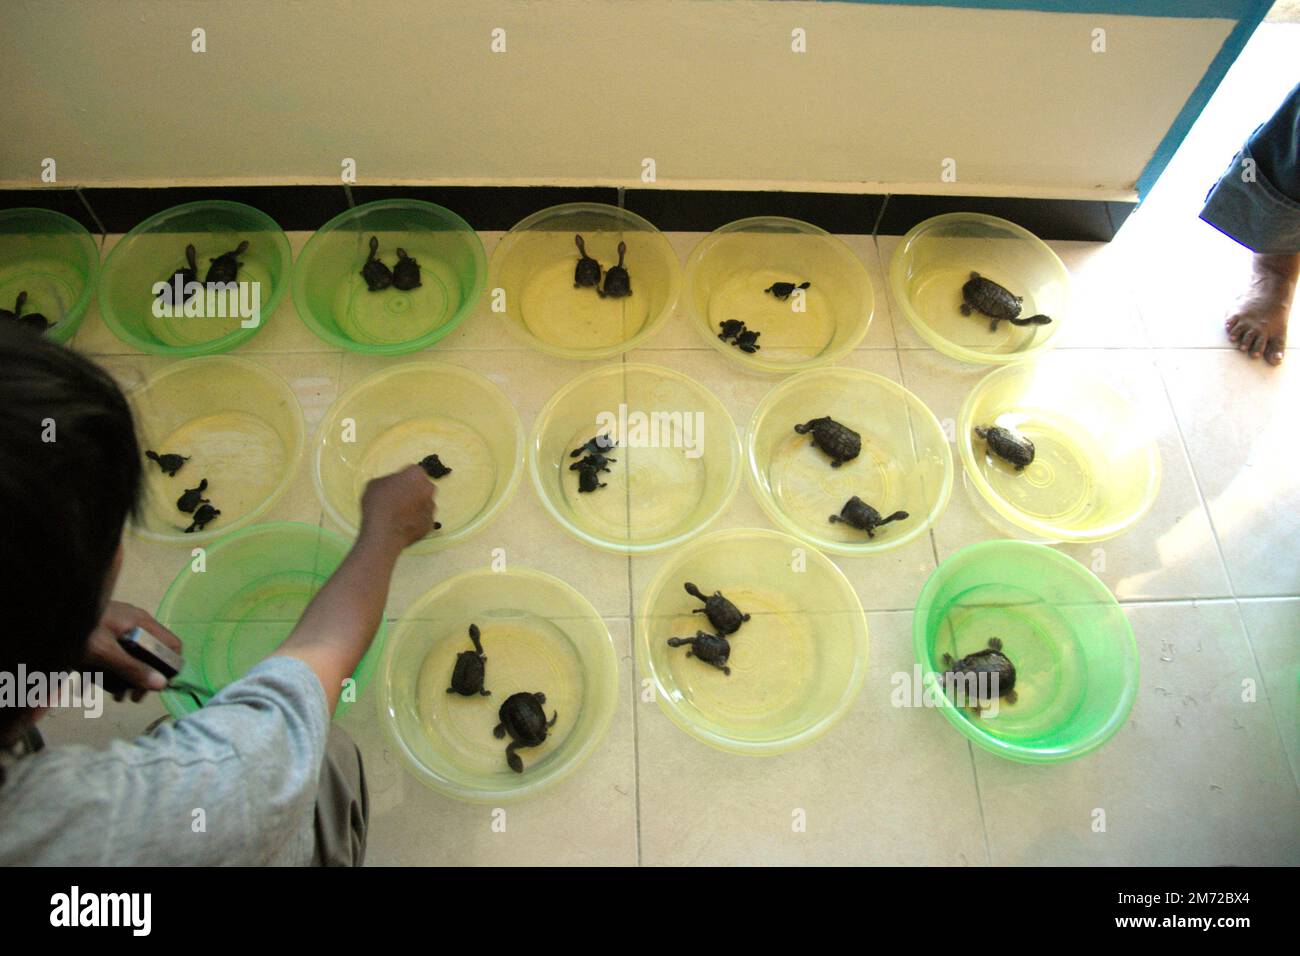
489, 208
681, 210
56, 198
1080, 219
497, 208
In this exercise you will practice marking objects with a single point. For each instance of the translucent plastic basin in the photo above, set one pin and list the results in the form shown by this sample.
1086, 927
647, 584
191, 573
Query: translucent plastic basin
54, 260
539, 635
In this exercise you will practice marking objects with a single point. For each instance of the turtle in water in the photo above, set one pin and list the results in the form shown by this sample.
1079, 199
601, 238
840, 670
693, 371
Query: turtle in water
185, 276
588, 479
524, 720
433, 467
377, 275
747, 341
730, 329
862, 516
32, 320
617, 282
225, 267
467, 676
193, 497
839, 441
725, 617
783, 290
709, 648
168, 463
597, 445
593, 462
997, 302
202, 515
981, 672
1007, 444
406, 274
586, 274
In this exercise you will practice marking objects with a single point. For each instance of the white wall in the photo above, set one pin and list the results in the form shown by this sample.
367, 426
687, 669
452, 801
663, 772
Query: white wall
587, 89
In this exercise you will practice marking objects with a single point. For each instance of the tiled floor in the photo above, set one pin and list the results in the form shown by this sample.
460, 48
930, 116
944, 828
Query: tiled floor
1206, 769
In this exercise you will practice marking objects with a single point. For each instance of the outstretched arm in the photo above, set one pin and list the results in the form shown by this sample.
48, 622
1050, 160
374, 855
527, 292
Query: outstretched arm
336, 629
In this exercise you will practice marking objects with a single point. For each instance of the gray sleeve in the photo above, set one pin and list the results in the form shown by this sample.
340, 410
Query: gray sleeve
233, 783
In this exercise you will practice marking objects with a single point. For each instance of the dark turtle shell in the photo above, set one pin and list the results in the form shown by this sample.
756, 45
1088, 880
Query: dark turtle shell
710, 648
168, 463
467, 676
202, 515
377, 275
406, 274
586, 274
989, 661
725, 617
433, 467
986, 296
839, 441
523, 719
617, 282
1007, 444
747, 341
730, 329
589, 479
225, 267
193, 497
783, 290
862, 516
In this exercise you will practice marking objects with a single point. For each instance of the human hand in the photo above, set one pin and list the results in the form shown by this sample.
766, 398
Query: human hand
398, 509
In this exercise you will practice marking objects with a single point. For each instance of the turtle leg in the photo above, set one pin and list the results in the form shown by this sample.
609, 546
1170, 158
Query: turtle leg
995, 643
965, 309
554, 717
512, 758
499, 731
484, 693
1011, 697
451, 690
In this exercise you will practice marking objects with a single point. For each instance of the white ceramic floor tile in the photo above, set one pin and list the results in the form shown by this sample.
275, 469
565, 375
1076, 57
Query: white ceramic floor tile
1273, 627
1170, 553
886, 786
1237, 419
588, 819
1196, 777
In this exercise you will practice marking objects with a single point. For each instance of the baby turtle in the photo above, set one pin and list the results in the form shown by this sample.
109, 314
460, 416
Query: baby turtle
617, 282
986, 296
406, 274
586, 274
839, 441
193, 497
725, 617
225, 267
170, 464
467, 675
33, 320
862, 516
594, 446
990, 661
377, 275
1007, 444
709, 648
202, 515
433, 467
747, 341
589, 479
188, 274
783, 290
524, 720
730, 329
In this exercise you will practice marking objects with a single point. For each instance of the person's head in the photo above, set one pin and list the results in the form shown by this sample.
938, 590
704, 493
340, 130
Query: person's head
70, 474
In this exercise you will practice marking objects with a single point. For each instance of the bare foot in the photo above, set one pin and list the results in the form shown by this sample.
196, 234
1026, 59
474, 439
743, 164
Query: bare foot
1257, 322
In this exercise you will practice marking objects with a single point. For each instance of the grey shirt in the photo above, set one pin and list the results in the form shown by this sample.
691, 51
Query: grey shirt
233, 783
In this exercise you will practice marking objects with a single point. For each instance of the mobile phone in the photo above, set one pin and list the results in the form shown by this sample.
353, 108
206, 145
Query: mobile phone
148, 650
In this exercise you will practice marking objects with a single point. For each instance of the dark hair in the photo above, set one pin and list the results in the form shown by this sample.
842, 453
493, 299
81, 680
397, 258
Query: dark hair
70, 473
